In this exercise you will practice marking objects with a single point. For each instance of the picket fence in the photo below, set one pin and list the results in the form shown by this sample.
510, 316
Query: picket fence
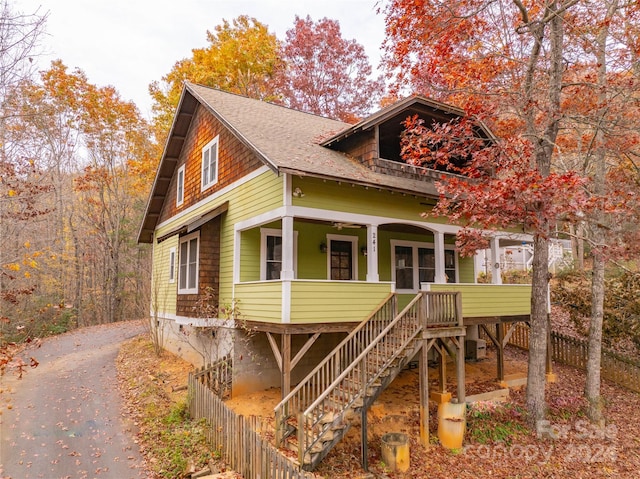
234, 438
615, 367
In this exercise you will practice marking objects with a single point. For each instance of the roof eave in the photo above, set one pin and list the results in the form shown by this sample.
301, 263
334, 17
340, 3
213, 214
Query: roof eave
145, 235
233, 130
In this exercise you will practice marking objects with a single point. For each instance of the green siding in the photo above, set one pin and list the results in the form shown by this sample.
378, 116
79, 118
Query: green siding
335, 301
311, 301
260, 301
480, 300
466, 270
330, 195
163, 293
312, 263
250, 259
256, 196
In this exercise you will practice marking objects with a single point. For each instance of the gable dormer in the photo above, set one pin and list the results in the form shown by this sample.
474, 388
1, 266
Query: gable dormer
375, 141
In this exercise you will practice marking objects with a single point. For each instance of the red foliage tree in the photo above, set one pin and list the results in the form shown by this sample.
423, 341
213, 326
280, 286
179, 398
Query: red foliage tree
326, 74
556, 81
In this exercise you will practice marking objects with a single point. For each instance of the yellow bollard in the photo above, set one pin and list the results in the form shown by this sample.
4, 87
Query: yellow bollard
452, 423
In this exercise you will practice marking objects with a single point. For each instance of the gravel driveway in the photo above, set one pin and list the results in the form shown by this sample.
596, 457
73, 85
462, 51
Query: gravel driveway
63, 419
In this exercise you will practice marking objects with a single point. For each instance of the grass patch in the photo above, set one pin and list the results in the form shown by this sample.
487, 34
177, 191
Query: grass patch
489, 423
172, 442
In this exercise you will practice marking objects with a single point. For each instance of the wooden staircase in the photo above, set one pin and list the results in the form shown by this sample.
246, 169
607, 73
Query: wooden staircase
320, 410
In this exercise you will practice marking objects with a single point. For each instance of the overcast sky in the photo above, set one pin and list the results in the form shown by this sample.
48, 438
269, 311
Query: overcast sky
130, 43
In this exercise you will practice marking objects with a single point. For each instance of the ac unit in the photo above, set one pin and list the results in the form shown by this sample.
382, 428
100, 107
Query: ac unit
475, 349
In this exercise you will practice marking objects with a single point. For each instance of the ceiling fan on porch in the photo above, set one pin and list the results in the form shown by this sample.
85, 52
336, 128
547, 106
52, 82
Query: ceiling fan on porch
338, 225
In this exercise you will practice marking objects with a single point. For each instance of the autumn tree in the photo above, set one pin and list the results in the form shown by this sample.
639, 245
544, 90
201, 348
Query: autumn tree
115, 137
601, 100
21, 185
557, 78
326, 74
503, 60
242, 57
51, 113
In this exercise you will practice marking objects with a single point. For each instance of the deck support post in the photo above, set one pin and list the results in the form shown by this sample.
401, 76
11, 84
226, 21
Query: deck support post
442, 366
364, 449
423, 372
460, 371
549, 366
285, 352
500, 345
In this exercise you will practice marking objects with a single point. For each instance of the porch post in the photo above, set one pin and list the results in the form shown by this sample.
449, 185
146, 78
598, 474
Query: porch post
372, 254
287, 248
496, 276
438, 240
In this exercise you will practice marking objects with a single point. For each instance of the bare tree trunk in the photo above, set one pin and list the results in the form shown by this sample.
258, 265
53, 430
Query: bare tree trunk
536, 379
592, 384
544, 145
577, 246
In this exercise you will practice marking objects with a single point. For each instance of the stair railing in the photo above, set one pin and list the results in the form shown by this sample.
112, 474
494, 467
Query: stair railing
357, 377
332, 366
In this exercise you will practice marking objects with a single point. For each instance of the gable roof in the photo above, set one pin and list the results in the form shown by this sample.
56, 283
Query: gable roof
286, 140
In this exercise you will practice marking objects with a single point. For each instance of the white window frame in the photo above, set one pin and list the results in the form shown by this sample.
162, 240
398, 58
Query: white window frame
416, 273
206, 164
180, 186
187, 239
172, 264
354, 254
264, 233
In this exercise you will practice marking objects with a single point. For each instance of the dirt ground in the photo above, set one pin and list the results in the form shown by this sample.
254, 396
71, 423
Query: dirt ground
401, 397
579, 450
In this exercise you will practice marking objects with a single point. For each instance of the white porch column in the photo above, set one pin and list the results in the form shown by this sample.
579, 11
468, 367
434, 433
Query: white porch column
438, 240
287, 248
496, 276
372, 254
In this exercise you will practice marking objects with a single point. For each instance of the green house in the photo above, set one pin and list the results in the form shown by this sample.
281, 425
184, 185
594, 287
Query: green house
276, 232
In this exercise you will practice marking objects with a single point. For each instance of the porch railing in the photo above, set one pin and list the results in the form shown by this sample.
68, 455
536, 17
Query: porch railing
442, 309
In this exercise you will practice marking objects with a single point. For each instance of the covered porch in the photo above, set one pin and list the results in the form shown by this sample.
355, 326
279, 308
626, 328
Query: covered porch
302, 274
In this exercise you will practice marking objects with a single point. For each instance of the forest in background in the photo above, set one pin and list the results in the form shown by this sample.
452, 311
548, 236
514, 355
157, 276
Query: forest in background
77, 161
557, 81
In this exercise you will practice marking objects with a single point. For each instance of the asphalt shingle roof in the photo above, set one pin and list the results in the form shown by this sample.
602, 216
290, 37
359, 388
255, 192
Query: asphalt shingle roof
285, 139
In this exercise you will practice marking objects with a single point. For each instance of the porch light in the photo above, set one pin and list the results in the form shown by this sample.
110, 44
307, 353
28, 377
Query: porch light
323, 247
363, 250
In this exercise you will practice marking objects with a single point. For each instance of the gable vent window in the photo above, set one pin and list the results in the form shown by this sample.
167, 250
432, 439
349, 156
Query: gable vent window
210, 164
180, 186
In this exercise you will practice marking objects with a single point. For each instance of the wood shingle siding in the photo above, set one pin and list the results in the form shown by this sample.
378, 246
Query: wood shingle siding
235, 161
208, 274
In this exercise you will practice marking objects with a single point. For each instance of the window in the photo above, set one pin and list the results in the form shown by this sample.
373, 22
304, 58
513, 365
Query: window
210, 164
271, 253
180, 186
450, 265
172, 265
188, 269
426, 265
415, 263
273, 260
343, 260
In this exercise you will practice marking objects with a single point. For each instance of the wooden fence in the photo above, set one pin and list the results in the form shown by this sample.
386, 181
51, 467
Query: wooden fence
573, 352
237, 439
217, 376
